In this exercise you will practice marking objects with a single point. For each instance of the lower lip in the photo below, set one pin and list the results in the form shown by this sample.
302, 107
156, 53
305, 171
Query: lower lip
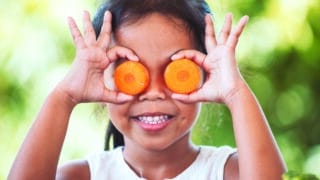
153, 127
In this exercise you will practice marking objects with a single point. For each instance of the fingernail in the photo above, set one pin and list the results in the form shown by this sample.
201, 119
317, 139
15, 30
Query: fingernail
176, 96
175, 56
134, 57
107, 13
246, 18
69, 19
124, 97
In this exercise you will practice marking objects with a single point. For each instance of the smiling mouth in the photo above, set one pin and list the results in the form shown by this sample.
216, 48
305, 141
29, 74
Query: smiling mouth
153, 120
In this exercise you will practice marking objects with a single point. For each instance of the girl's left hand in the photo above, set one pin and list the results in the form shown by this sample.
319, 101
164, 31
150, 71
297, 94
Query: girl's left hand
222, 73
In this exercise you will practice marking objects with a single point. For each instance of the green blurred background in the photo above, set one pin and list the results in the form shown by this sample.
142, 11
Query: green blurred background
279, 56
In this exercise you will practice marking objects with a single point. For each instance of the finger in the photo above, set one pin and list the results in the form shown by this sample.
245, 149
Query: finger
76, 34
118, 52
210, 37
115, 97
105, 33
225, 31
235, 34
191, 98
183, 97
89, 33
194, 55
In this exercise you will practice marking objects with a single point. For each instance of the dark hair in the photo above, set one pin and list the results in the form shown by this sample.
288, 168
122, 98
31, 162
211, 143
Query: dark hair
191, 12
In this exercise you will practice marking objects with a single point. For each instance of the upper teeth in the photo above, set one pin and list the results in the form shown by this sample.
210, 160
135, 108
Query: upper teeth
153, 119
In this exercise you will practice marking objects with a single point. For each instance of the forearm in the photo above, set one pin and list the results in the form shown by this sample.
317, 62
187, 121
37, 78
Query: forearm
259, 156
39, 154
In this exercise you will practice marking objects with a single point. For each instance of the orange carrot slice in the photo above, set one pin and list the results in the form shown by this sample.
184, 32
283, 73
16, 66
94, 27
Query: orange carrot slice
131, 77
182, 76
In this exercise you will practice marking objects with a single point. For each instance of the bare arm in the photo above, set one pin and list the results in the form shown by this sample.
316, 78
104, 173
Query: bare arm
39, 154
258, 153
78, 170
258, 156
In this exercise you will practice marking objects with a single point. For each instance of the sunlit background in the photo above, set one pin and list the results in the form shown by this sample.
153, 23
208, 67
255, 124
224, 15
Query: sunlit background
279, 56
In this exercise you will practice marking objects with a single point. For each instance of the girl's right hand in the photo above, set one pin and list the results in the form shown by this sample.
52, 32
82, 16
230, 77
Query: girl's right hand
84, 82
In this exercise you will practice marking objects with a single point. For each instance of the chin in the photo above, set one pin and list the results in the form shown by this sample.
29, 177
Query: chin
162, 143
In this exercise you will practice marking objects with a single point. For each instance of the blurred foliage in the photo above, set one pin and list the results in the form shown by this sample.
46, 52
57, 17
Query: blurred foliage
278, 55
291, 175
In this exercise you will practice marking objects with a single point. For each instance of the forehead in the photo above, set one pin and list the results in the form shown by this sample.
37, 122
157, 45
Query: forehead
155, 34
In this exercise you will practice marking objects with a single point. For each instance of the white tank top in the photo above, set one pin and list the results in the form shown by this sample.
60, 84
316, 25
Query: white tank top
209, 164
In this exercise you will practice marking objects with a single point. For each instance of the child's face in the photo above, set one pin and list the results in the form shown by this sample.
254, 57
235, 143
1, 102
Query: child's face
153, 120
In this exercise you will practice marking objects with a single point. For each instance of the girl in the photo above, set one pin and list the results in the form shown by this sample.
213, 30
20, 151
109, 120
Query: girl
156, 123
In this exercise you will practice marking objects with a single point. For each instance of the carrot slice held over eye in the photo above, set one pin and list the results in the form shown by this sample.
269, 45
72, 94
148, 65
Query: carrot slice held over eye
182, 76
131, 77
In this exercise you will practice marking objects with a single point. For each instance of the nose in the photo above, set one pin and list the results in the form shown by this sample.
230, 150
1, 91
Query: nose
155, 90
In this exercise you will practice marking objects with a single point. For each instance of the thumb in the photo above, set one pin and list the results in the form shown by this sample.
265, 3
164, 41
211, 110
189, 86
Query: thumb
116, 97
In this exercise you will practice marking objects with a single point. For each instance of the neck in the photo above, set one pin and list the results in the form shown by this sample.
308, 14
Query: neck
160, 163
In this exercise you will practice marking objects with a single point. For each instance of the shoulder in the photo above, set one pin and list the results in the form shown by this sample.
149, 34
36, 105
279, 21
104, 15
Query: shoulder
218, 153
97, 165
78, 169
106, 164
104, 157
223, 161
231, 170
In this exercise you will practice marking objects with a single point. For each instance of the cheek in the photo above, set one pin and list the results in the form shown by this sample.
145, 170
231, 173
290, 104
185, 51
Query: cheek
190, 111
111, 111
117, 114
